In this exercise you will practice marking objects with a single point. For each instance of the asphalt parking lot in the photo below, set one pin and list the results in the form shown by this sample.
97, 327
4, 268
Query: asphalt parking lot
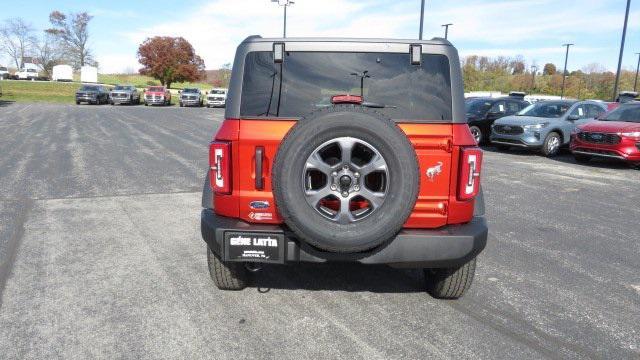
101, 257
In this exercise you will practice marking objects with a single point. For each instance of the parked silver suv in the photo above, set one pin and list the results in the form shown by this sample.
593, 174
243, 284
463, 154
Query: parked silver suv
545, 125
124, 94
190, 97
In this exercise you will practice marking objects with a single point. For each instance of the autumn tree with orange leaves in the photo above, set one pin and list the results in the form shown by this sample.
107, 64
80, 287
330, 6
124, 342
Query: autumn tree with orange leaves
170, 59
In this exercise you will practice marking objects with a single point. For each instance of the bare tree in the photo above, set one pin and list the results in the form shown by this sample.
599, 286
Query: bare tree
48, 53
73, 32
16, 39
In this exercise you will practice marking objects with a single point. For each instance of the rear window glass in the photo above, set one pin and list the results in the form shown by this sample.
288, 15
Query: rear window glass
306, 81
629, 113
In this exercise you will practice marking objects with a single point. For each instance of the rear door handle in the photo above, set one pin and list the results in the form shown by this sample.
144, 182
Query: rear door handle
259, 159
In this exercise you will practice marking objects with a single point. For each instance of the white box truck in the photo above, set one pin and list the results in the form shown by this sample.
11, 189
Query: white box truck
62, 73
89, 74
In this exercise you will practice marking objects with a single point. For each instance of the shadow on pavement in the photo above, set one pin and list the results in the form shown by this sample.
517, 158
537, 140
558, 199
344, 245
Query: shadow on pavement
5, 103
339, 277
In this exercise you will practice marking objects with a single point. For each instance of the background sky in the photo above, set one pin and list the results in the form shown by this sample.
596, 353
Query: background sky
535, 29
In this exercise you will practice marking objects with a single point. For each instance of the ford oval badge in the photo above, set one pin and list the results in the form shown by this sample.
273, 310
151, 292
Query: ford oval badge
257, 205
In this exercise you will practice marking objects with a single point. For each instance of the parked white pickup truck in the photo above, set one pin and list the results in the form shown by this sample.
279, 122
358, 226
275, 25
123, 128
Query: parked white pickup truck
26, 74
216, 97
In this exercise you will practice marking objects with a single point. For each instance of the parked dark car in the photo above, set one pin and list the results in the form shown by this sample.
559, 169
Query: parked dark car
482, 112
92, 94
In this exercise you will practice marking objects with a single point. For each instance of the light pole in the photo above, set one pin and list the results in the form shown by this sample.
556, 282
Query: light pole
421, 19
534, 69
446, 30
564, 73
285, 4
635, 83
624, 34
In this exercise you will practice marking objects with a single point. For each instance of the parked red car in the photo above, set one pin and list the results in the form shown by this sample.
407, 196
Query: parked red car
616, 136
157, 95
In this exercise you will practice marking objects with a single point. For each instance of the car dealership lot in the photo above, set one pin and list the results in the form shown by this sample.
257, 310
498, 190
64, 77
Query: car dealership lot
101, 256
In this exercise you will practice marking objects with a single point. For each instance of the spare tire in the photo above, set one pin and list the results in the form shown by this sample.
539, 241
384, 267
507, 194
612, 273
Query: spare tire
345, 179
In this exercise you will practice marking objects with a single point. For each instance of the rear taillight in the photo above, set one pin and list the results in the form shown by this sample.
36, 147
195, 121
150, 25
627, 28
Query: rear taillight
220, 167
469, 177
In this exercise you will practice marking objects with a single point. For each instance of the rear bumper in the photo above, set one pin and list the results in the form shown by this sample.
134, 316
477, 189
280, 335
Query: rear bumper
449, 246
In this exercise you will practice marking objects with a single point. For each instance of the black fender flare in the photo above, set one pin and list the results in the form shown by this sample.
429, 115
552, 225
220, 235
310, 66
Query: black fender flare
207, 194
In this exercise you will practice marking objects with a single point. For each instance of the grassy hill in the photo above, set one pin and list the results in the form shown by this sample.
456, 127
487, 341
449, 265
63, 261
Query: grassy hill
37, 91
60, 92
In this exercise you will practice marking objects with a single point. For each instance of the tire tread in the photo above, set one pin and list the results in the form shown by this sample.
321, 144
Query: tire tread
225, 275
450, 283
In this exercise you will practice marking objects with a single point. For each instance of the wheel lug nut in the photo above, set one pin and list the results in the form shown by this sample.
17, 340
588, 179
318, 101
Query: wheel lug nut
356, 188
345, 167
356, 174
333, 187
345, 194
334, 174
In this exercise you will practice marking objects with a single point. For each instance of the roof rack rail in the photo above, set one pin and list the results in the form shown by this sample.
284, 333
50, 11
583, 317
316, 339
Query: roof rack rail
441, 40
517, 94
250, 37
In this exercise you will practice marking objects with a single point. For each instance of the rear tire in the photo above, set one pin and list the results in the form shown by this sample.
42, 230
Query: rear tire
226, 275
477, 134
551, 145
450, 283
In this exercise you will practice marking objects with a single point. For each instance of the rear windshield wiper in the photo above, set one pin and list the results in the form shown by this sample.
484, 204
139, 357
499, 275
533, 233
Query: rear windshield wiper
377, 105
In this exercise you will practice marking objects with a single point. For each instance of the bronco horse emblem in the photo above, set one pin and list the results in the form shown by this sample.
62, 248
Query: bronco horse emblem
434, 171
